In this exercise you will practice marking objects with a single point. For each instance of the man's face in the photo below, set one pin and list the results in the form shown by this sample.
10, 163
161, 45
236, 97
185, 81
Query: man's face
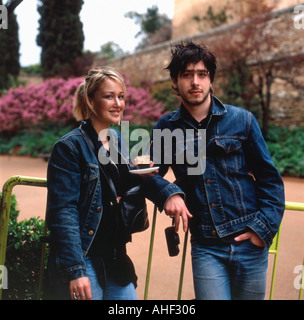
194, 85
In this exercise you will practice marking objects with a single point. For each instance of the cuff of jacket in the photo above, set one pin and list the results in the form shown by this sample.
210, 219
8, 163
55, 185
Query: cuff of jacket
261, 229
159, 190
73, 273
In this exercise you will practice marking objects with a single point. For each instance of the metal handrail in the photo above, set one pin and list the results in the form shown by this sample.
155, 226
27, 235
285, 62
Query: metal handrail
5, 203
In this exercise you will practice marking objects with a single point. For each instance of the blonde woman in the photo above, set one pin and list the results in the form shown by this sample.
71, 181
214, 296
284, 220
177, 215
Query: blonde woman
88, 259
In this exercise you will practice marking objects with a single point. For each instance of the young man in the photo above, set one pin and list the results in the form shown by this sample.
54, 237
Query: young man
236, 205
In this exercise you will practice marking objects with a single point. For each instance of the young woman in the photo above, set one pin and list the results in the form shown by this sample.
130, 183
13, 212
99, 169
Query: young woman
88, 259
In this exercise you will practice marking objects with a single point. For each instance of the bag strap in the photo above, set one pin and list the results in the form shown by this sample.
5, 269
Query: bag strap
101, 166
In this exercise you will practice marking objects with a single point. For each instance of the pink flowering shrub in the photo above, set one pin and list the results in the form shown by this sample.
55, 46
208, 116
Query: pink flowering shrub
141, 108
25, 107
52, 101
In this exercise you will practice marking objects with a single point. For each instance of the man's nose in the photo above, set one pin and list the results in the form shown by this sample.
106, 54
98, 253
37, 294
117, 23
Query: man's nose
195, 79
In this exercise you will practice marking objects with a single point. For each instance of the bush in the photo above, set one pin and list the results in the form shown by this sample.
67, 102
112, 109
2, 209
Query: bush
52, 101
23, 256
38, 141
287, 150
25, 107
163, 92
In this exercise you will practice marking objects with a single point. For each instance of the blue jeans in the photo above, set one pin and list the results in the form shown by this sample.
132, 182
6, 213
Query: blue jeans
229, 271
113, 291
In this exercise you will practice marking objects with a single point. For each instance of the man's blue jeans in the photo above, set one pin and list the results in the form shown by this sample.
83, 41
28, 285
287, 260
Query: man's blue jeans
226, 271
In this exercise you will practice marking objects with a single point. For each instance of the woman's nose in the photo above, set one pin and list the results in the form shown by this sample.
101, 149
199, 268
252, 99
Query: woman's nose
117, 101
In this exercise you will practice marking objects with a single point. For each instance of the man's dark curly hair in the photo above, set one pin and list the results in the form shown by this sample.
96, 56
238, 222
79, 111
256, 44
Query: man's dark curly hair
190, 52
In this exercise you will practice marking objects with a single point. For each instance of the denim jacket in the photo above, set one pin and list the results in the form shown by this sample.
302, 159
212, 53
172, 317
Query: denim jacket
240, 188
74, 202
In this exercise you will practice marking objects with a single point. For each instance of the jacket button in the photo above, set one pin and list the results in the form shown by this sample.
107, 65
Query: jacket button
98, 209
91, 232
213, 232
208, 181
213, 205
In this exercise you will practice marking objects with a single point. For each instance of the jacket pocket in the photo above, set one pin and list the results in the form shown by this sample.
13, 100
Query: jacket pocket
88, 185
229, 154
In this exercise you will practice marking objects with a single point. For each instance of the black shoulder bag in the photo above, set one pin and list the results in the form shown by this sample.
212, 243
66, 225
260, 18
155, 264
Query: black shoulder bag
131, 209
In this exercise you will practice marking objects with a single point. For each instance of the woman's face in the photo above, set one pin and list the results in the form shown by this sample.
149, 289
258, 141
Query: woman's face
108, 102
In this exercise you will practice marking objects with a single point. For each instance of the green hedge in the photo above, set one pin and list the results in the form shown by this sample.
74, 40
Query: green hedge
23, 256
287, 150
286, 145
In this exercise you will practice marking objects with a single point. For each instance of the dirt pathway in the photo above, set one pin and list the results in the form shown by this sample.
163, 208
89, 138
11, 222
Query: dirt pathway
165, 270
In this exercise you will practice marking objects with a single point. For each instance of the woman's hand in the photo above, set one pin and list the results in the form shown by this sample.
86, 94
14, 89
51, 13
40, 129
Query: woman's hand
80, 289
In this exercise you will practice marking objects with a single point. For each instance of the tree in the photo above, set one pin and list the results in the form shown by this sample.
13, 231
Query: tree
60, 36
111, 50
9, 49
154, 27
252, 51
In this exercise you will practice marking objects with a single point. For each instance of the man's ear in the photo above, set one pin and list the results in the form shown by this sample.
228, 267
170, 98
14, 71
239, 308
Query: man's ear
174, 83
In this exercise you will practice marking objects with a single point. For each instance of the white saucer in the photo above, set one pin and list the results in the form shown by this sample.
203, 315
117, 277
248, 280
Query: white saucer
144, 171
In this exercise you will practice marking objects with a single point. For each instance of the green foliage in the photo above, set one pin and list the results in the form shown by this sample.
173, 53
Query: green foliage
23, 255
287, 150
111, 50
214, 19
163, 92
35, 142
9, 52
238, 90
34, 69
60, 36
151, 23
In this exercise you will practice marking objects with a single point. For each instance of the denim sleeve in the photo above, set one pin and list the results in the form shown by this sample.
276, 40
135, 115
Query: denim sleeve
63, 183
159, 190
269, 185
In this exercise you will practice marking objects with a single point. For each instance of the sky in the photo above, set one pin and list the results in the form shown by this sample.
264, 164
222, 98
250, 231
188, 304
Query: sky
103, 21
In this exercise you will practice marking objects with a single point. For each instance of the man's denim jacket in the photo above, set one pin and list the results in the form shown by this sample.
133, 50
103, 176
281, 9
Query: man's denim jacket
240, 188
74, 204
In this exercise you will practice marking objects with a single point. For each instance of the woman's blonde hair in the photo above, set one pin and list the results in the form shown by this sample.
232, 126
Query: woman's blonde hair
83, 109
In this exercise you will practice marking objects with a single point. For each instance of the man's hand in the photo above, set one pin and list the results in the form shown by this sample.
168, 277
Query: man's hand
80, 289
176, 207
253, 237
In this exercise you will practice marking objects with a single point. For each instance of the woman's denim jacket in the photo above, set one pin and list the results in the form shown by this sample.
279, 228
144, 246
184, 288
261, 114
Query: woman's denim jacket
74, 203
240, 188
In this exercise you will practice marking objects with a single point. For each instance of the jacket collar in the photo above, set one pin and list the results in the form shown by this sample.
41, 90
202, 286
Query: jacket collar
217, 109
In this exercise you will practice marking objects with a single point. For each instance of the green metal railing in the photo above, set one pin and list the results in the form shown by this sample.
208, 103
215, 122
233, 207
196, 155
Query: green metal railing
5, 203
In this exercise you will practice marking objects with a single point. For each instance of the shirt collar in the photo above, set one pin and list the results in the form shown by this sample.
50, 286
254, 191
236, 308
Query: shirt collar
217, 109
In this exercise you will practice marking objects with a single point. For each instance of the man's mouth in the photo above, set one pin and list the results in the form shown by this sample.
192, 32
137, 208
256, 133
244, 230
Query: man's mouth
195, 92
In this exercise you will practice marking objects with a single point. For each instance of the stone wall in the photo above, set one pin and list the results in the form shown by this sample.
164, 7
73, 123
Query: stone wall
287, 103
184, 25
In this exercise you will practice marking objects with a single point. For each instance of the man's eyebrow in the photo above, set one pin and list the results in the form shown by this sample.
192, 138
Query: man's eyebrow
192, 70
